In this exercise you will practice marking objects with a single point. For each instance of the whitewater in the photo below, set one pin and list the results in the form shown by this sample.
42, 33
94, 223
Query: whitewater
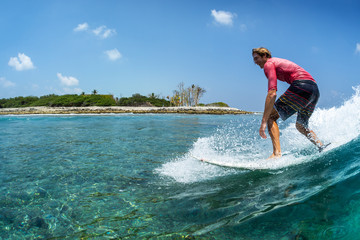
238, 144
298, 175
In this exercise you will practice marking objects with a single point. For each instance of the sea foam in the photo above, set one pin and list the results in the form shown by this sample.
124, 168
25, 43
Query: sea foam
238, 144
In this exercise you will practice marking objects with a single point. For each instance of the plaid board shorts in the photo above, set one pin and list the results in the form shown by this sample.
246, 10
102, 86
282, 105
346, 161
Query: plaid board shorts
300, 97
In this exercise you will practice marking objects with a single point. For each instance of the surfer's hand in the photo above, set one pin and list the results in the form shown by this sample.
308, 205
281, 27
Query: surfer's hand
262, 130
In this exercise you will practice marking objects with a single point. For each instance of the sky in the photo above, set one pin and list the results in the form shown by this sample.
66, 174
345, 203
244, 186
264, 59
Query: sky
123, 47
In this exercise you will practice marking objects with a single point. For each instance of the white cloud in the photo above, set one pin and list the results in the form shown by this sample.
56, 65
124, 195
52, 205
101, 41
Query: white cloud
67, 81
21, 63
81, 27
222, 17
104, 32
113, 54
357, 50
5, 83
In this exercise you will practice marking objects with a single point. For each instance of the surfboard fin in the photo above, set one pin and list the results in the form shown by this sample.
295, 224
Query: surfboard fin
323, 147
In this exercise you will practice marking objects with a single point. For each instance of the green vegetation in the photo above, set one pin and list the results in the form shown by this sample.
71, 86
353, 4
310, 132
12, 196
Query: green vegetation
83, 100
59, 101
217, 104
139, 100
189, 96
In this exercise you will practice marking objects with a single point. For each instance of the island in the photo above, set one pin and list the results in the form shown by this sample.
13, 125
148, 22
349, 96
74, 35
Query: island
185, 100
120, 109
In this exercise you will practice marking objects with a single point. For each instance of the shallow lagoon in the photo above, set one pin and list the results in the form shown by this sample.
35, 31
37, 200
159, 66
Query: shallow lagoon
134, 177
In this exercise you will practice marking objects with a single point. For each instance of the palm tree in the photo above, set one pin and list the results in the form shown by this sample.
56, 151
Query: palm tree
94, 92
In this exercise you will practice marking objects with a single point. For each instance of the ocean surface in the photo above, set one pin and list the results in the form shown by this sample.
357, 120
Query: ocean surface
126, 176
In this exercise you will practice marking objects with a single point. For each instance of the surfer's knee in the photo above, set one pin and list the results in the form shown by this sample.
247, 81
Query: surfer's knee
270, 122
301, 128
274, 116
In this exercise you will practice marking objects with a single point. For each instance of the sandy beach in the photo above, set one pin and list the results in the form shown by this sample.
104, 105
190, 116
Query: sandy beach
117, 109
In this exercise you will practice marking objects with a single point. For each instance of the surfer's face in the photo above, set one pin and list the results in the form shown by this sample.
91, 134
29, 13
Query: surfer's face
259, 60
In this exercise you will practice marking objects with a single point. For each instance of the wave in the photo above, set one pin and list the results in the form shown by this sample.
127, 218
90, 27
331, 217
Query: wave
242, 194
238, 144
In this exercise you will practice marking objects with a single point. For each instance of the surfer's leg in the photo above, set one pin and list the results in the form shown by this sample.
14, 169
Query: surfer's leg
309, 134
309, 93
274, 133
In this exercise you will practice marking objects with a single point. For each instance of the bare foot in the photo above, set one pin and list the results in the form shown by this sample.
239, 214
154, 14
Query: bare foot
274, 156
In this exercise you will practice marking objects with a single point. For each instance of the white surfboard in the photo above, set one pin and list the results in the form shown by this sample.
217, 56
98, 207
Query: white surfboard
221, 164
245, 166
255, 164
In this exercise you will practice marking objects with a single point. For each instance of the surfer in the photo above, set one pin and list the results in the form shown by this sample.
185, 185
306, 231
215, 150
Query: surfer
300, 97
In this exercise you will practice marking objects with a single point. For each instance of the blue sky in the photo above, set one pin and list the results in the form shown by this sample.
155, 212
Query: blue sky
150, 46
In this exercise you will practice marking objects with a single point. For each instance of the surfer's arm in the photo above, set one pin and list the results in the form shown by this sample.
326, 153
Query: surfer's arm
269, 105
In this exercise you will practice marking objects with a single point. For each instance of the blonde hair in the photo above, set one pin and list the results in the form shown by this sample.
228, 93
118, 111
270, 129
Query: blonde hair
262, 52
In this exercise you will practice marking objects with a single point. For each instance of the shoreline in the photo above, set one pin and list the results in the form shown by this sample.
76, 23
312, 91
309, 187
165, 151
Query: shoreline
118, 109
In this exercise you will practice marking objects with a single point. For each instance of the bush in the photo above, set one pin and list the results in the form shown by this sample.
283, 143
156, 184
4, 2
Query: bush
217, 104
18, 102
59, 101
98, 100
139, 100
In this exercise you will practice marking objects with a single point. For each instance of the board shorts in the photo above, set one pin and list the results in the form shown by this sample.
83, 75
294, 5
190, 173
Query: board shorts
301, 97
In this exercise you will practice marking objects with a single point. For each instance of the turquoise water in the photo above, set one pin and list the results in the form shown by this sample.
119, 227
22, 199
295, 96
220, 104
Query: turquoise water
134, 177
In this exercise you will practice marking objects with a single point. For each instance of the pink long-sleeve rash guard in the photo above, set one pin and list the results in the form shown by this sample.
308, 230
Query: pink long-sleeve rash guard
284, 70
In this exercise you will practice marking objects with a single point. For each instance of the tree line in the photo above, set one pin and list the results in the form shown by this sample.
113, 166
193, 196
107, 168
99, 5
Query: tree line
52, 100
183, 96
73, 100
